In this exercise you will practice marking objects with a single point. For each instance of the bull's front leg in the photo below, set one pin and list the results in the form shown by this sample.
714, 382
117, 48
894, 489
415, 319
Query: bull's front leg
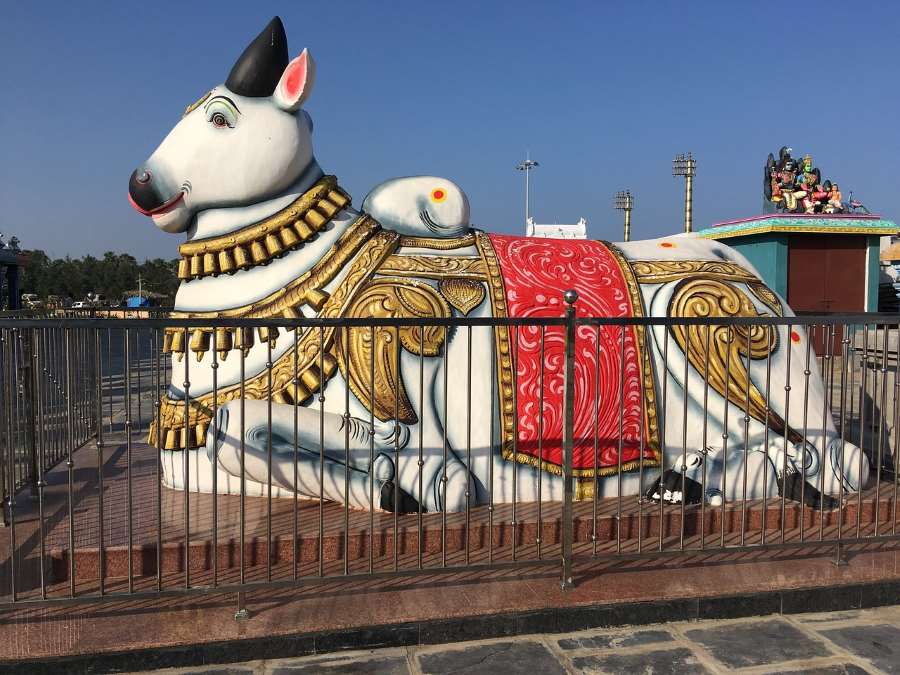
319, 454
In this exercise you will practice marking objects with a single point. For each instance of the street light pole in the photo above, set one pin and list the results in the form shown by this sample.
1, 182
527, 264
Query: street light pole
526, 166
686, 166
625, 202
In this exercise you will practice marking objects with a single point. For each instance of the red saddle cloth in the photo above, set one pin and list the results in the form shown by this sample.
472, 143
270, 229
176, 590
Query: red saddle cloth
609, 381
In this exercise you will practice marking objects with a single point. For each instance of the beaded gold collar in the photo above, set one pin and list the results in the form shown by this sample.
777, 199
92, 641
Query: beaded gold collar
260, 242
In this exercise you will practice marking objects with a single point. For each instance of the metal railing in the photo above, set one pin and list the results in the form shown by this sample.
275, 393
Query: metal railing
90, 517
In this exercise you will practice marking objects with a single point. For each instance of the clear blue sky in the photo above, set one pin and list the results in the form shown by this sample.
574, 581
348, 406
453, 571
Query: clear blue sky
603, 94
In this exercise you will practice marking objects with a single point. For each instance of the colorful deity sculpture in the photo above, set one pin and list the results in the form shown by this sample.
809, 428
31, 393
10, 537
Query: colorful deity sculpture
794, 188
409, 416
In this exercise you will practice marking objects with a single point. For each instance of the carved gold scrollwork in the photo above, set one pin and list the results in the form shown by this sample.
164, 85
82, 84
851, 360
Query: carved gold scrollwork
765, 294
435, 266
663, 271
463, 294
364, 350
730, 347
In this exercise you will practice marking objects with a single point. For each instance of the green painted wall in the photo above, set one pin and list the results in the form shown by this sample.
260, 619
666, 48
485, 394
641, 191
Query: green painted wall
769, 255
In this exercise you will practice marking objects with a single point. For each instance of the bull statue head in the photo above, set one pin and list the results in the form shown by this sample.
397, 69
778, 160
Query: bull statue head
240, 151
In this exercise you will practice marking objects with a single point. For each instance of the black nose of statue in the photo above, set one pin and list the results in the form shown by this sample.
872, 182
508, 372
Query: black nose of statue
141, 189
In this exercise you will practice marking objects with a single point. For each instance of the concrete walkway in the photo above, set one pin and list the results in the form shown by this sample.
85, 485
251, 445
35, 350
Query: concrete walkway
858, 641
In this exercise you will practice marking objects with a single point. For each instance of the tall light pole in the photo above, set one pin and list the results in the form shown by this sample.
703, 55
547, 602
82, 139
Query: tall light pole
625, 202
526, 166
687, 167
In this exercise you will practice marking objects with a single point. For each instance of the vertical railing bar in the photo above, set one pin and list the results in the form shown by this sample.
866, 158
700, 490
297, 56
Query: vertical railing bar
128, 461
827, 405
684, 413
704, 447
747, 418
766, 410
109, 360
420, 544
346, 345
397, 351
662, 429
881, 408
101, 571
296, 514
728, 339
844, 367
33, 421
38, 425
321, 554
5, 415
595, 498
445, 448
186, 443
806, 373
568, 523
515, 438
160, 444
70, 465
765, 509
269, 544
9, 370
539, 536
372, 449
862, 426
243, 428
214, 443
621, 448
493, 430
140, 387
469, 445
896, 427
787, 417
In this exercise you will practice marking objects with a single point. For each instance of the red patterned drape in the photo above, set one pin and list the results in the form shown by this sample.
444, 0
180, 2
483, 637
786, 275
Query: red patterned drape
535, 273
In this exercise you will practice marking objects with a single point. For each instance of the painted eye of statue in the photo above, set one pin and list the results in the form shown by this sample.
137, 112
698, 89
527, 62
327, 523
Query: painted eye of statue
438, 195
219, 120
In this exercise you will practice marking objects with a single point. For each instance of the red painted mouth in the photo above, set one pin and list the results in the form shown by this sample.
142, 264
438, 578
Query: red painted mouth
159, 210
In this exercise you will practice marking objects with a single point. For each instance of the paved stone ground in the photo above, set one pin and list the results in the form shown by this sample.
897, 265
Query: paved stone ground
860, 641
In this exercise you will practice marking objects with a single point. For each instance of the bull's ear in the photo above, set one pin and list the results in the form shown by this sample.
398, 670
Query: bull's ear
296, 82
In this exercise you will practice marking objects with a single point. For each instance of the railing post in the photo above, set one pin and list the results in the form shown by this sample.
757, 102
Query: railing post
5, 437
29, 352
567, 583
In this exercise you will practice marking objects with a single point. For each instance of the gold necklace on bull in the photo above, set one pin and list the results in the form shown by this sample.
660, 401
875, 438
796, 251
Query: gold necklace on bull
377, 283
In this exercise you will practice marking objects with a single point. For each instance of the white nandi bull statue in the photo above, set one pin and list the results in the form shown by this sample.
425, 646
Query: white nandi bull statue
450, 418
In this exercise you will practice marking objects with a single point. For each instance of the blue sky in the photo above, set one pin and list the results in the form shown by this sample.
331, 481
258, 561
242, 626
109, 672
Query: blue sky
603, 95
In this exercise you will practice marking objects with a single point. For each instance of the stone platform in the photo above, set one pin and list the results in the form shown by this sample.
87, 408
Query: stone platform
197, 539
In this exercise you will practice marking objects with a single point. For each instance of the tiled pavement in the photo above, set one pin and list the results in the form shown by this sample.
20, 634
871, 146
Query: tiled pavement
859, 641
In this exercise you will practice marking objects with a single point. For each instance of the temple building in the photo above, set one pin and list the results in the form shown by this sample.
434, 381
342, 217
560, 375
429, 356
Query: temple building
818, 263
556, 230
12, 260
814, 246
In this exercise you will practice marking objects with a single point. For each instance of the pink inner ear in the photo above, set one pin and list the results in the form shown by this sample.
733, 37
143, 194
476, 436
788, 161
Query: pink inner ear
296, 76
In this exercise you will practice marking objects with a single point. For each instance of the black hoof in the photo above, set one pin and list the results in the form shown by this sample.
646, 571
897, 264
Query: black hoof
792, 487
673, 488
404, 503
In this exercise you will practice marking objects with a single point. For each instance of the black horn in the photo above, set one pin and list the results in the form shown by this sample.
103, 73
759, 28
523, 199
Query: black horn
257, 71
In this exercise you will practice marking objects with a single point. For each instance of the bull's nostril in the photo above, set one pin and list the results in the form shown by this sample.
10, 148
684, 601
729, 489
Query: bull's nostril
143, 177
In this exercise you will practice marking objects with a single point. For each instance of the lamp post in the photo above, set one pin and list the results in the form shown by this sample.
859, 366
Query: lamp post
625, 202
686, 166
526, 166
